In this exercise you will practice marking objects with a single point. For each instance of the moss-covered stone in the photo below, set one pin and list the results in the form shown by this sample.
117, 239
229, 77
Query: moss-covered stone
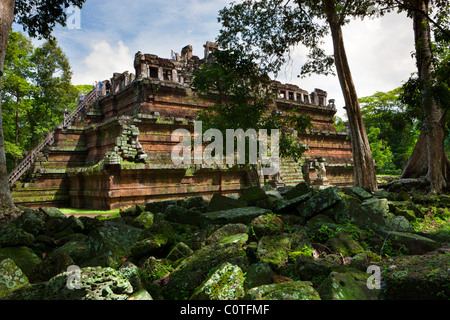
179, 251
145, 219
193, 270
253, 195
113, 239
180, 214
31, 222
226, 231
297, 191
91, 283
320, 202
344, 244
219, 202
308, 269
140, 295
292, 290
24, 258
54, 264
258, 274
415, 244
266, 225
10, 237
226, 283
11, 277
238, 215
348, 285
53, 213
77, 250
274, 250
417, 277
154, 239
289, 206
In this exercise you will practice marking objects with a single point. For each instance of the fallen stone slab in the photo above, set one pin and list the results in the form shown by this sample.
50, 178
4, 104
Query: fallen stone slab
238, 215
292, 290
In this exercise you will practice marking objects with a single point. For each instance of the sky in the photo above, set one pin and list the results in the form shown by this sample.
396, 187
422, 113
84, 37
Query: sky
103, 37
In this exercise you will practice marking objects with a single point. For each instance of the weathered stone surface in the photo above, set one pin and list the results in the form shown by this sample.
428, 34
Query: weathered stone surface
258, 274
266, 225
154, 239
219, 203
348, 285
10, 237
226, 283
238, 215
424, 277
193, 270
318, 203
298, 190
140, 295
183, 215
362, 194
226, 231
274, 250
415, 244
55, 263
307, 268
95, 283
30, 222
113, 239
145, 219
379, 207
79, 251
344, 244
159, 206
253, 195
53, 212
292, 290
179, 251
11, 277
289, 206
23, 257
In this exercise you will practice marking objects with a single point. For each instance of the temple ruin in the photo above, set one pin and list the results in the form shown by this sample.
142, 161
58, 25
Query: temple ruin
116, 152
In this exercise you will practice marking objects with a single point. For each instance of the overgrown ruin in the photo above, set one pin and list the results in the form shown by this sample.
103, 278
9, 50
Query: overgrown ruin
117, 152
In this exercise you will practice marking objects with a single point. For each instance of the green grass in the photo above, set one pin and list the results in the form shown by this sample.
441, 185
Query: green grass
71, 211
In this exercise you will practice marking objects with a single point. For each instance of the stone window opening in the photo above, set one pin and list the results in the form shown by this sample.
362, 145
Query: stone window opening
306, 98
321, 102
167, 74
291, 95
299, 97
154, 72
282, 94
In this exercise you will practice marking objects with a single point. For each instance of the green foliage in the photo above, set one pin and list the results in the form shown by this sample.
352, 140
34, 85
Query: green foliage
39, 17
36, 90
392, 129
339, 124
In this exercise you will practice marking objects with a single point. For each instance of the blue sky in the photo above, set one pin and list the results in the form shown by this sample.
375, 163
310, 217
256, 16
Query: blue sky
112, 31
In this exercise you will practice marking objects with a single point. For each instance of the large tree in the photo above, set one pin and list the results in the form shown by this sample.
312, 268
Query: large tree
38, 18
429, 90
271, 28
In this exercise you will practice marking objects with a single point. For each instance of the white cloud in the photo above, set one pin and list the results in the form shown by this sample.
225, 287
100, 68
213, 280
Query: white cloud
103, 60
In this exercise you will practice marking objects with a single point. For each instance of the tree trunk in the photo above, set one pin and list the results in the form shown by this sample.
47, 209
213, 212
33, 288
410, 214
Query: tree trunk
364, 169
6, 20
432, 136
